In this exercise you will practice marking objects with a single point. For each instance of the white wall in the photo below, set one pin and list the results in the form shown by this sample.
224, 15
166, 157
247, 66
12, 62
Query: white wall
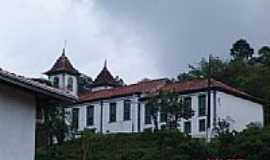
63, 82
17, 125
194, 120
238, 111
101, 88
110, 127
75, 83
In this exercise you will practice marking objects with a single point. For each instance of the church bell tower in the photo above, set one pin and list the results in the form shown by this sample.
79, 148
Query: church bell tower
63, 75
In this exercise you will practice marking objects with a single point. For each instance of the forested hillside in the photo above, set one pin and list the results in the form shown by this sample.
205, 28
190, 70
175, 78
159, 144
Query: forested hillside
246, 70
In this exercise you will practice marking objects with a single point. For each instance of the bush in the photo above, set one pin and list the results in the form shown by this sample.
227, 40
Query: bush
253, 143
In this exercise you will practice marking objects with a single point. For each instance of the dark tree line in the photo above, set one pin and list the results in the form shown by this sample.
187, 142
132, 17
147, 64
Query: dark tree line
246, 70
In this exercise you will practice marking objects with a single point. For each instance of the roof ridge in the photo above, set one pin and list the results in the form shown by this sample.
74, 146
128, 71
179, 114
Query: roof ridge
111, 90
35, 83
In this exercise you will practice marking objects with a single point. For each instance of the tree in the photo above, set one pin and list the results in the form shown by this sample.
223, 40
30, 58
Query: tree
170, 104
153, 106
219, 69
54, 124
84, 83
241, 50
184, 77
264, 55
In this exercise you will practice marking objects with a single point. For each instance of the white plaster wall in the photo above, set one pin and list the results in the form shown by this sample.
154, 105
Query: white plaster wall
110, 127
194, 120
63, 82
75, 83
238, 111
101, 88
17, 125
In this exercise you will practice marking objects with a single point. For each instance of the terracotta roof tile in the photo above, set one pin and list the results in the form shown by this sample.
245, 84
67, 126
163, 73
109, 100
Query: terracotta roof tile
153, 86
105, 78
34, 85
141, 87
202, 84
62, 64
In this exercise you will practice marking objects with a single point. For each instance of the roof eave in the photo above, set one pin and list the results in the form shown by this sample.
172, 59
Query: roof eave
109, 97
36, 89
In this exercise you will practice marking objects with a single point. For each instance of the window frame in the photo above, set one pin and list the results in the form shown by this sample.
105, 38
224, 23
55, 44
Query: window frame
147, 115
90, 118
127, 110
190, 127
56, 81
70, 83
112, 112
75, 126
186, 107
202, 110
200, 126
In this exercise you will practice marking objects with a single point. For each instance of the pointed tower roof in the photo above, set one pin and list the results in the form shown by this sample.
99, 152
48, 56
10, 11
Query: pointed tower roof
105, 77
62, 65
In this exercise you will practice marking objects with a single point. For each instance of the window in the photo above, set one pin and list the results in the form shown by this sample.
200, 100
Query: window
70, 84
56, 82
75, 118
127, 108
90, 115
187, 127
147, 114
112, 112
202, 125
202, 105
187, 104
163, 117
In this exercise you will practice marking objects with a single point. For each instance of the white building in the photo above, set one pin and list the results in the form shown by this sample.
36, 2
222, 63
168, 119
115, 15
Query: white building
20, 100
111, 108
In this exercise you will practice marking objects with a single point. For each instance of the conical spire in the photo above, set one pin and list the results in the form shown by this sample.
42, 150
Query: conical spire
64, 52
62, 65
105, 63
105, 77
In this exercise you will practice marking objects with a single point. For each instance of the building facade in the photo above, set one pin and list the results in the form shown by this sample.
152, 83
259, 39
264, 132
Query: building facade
20, 100
108, 107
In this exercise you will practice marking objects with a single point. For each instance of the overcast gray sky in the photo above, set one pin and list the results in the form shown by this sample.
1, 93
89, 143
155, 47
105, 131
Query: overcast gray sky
139, 38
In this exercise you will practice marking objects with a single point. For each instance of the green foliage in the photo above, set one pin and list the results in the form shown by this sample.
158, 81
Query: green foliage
241, 50
170, 104
252, 143
84, 83
264, 54
243, 71
54, 125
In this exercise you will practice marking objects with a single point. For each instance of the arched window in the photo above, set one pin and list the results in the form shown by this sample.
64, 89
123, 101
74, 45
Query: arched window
70, 84
56, 82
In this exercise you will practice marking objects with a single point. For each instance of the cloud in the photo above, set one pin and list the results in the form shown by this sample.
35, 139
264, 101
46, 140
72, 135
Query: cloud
153, 38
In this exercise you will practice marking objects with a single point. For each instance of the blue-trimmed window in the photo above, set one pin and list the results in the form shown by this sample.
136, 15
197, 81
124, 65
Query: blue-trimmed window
202, 105
90, 115
112, 111
127, 110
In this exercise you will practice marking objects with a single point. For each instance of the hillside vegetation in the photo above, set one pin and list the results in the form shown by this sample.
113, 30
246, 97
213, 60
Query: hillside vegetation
252, 144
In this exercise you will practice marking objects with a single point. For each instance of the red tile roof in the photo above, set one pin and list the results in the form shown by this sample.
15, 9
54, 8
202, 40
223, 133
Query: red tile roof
141, 87
153, 86
105, 78
202, 84
61, 65
35, 86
